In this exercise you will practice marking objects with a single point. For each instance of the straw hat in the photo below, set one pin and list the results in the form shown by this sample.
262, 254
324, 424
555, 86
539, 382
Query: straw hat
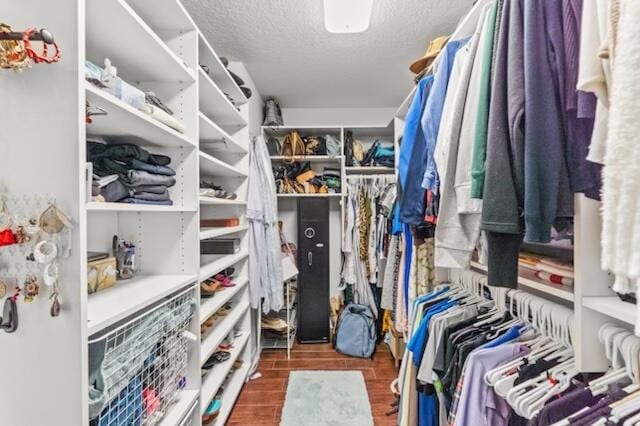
434, 47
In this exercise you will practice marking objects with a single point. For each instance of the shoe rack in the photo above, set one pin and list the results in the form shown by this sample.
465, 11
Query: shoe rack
156, 46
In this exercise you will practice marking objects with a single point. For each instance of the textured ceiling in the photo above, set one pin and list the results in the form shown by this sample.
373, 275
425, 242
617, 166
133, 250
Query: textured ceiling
290, 55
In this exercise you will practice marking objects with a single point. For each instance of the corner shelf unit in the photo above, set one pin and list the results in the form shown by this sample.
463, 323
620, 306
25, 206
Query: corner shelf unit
287, 203
156, 47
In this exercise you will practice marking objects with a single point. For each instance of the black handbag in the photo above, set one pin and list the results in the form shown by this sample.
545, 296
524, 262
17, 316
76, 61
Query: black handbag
348, 150
272, 113
273, 146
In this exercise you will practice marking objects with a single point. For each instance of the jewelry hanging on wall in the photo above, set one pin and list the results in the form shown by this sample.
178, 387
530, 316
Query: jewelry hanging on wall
31, 288
17, 52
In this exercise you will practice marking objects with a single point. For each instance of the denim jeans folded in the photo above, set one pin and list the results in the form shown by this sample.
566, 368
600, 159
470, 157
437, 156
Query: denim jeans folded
154, 189
151, 168
150, 196
124, 152
140, 177
115, 191
157, 203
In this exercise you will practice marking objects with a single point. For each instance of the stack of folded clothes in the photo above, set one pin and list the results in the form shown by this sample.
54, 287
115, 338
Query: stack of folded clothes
547, 269
126, 173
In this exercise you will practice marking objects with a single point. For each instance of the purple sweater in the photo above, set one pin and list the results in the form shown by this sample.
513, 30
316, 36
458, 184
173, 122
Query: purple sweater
547, 193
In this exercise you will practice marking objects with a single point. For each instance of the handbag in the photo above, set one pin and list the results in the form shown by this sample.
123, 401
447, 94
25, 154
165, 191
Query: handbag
293, 146
332, 146
273, 146
311, 146
348, 150
272, 113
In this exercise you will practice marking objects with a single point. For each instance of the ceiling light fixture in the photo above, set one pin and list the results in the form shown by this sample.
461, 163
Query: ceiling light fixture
347, 16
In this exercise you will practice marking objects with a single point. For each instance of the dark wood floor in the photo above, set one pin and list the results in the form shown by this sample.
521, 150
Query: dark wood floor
260, 402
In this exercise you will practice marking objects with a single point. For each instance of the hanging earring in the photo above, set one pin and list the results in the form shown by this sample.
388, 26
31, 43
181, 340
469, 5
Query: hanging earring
31, 288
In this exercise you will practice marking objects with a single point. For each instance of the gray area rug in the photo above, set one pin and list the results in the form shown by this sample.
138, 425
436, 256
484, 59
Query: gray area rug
326, 398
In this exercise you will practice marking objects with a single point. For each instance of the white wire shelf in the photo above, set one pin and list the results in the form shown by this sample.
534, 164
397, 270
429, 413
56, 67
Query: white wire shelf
212, 338
180, 408
211, 166
211, 305
215, 105
223, 262
109, 306
612, 307
527, 278
215, 138
134, 48
221, 231
123, 120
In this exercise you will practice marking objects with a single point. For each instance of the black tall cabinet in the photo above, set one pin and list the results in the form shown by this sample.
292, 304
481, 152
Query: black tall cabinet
313, 265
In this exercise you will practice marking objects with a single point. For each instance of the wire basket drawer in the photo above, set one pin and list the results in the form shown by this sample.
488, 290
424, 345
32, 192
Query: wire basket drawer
137, 370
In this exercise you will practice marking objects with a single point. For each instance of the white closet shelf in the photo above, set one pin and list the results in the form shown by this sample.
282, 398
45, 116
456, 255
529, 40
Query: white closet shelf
218, 72
180, 408
109, 306
371, 131
613, 307
221, 231
231, 393
213, 135
133, 47
211, 166
221, 202
369, 169
211, 340
215, 105
307, 195
216, 377
171, 16
309, 158
125, 121
223, 262
526, 278
125, 207
209, 306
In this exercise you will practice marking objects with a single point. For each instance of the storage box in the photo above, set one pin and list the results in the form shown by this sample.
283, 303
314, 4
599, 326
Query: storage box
101, 274
219, 223
220, 246
396, 344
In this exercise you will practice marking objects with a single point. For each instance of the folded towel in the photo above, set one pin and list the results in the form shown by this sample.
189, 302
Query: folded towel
161, 116
140, 177
554, 279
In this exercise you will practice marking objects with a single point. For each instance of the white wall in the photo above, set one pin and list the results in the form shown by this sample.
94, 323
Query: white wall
337, 116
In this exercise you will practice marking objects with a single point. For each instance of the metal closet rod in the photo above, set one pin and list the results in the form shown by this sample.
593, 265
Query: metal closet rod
367, 177
42, 35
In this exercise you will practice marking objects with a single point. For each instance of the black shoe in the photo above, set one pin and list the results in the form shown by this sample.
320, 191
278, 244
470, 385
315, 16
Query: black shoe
246, 91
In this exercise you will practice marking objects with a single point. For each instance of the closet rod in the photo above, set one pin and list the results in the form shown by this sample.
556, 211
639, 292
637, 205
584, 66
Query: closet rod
367, 177
42, 35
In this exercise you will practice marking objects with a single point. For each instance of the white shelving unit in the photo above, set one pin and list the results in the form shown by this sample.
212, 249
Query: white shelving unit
224, 161
156, 47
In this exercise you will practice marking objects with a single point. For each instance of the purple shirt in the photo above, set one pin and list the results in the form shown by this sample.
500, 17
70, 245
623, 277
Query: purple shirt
580, 107
474, 397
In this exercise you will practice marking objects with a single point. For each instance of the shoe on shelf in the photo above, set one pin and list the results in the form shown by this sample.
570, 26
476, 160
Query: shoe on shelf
212, 411
225, 310
216, 358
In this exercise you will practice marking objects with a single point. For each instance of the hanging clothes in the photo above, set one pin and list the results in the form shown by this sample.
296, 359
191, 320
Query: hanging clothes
366, 233
265, 268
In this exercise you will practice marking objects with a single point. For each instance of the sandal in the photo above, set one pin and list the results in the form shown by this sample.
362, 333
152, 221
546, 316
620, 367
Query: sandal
209, 286
225, 310
217, 358
225, 280
212, 411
